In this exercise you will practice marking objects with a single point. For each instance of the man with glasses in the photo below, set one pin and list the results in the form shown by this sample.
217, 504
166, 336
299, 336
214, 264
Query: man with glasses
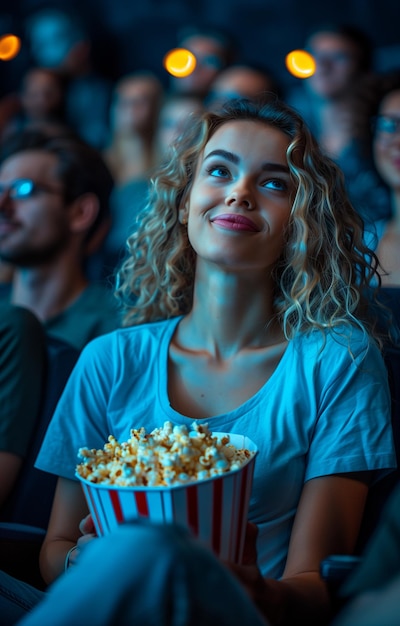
343, 55
214, 50
54, 213
344, 59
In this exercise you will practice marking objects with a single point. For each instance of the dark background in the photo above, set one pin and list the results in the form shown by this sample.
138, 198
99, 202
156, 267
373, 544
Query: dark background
135, 34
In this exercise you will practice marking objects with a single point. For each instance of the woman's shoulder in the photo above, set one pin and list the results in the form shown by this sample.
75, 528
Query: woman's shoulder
132, 335
331, 357
347, 342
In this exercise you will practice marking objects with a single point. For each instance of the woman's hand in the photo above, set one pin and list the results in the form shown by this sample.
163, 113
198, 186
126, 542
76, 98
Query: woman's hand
327, 522
86, 527
249, 575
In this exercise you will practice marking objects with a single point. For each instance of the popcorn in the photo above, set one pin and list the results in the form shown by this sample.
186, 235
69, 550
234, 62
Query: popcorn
169, 455
190, 477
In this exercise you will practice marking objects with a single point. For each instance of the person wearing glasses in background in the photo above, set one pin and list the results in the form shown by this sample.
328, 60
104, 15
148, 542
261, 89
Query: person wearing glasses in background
377, 102
344, 60
214, 49
54, 213
386, 153
343, 54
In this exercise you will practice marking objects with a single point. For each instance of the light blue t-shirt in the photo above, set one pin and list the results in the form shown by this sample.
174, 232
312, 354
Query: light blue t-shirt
323, 411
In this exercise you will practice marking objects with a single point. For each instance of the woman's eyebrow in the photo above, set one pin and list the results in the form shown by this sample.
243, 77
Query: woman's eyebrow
233, 158
275, 167
230, 156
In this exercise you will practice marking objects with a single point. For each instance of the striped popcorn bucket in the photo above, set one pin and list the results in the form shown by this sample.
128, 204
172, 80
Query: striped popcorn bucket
215, 510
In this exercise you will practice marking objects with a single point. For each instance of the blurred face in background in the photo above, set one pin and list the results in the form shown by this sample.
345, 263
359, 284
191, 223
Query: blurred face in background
173, 116
238, 81
34, 229
136, 105
386, 144
210, 56
51, 38
42, 95
338, 62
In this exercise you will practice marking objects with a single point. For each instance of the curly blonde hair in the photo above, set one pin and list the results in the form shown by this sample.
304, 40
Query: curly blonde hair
325, 268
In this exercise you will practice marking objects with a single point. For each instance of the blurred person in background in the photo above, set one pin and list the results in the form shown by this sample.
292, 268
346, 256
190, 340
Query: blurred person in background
135, 106
60, 39
54, 213
241, 80
214, 50
344, 58
175, 112
343, 55
386, 154
39, 102
6, 275
377, 104
131, 153
22, 372
42, 99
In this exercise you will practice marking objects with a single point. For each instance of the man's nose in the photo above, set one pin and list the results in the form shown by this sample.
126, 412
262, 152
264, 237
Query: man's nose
5, 199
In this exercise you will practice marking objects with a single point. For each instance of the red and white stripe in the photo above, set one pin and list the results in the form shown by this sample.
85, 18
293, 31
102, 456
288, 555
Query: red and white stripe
215, 510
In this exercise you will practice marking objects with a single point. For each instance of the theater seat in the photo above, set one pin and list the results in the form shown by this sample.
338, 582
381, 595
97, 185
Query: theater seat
336, 568
24, 518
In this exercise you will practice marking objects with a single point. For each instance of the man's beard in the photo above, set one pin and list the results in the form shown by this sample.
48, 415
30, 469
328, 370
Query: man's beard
26, 257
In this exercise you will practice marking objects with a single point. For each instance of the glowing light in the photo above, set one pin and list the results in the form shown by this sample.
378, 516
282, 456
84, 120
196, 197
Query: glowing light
179, 62
300, 63
10, 45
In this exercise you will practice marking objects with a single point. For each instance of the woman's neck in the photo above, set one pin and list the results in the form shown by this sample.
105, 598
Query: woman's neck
231, 313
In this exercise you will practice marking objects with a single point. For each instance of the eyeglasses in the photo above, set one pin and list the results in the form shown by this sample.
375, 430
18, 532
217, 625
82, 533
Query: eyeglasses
24, 188
210, 60
386, 124
337, 57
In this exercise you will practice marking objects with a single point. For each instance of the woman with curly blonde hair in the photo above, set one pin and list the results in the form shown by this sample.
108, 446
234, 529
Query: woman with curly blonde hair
244, 309
324, 269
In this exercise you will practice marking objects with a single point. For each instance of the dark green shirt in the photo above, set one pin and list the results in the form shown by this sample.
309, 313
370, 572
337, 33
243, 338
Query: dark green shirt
92, 314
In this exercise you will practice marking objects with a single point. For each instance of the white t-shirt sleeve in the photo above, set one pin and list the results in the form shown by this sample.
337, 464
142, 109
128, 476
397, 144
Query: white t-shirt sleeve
353, 419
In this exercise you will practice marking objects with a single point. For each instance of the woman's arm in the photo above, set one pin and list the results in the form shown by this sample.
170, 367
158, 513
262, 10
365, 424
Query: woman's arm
10, 465
327, 522
69, 508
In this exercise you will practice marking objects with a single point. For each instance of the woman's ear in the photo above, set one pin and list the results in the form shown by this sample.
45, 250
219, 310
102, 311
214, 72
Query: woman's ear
183, 214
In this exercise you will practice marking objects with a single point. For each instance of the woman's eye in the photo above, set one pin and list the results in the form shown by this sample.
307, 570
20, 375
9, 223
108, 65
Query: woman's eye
279, 185
218, 171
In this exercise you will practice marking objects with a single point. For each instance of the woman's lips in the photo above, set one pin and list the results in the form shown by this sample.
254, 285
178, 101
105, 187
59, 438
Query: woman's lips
232, 221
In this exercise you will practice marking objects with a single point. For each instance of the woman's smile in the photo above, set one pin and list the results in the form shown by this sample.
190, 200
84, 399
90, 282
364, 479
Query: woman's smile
233, 221
242, 188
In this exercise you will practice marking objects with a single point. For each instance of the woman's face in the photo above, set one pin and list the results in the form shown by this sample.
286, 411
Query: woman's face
386, 144
240, 202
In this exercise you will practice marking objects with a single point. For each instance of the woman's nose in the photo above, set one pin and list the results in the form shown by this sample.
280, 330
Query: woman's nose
240, 196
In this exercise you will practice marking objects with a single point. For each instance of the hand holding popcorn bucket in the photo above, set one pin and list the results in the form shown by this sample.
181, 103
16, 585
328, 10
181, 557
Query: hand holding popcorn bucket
213, 507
